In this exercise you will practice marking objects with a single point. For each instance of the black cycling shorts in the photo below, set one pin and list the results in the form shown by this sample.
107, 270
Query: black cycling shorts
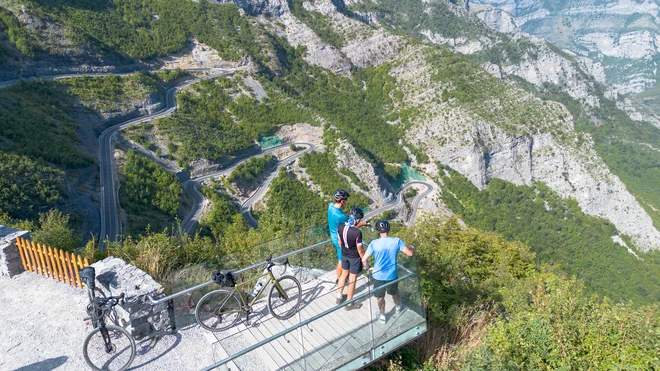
353, 265
392, 289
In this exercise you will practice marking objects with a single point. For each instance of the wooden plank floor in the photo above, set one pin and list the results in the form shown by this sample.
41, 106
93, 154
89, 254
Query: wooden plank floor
324, 344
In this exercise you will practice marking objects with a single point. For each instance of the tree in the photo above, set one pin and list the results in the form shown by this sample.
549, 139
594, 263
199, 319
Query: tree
55, 230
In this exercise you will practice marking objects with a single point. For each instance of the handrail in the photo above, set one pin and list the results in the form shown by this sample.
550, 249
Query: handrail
202, 285
303, 323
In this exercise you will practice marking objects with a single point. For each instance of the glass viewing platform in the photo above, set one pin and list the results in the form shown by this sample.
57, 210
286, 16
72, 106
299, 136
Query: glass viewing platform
321, 335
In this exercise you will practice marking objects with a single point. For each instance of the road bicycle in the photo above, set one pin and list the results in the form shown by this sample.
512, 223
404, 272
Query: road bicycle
107, 347
221, 309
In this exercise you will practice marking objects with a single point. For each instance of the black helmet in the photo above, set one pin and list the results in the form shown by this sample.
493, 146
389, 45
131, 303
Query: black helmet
383, 226
357, 213
341, 194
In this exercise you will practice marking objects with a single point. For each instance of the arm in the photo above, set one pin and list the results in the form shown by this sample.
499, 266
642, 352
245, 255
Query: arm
366, 256
409, 250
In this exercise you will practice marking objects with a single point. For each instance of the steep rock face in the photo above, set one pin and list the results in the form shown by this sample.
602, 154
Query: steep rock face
259, 7
481, 150
499, 20
623, 33
348, 158
318, 52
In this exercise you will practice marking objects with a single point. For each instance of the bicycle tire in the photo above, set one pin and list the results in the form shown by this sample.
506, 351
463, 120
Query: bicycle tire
121, 356
293, 290
112, 313
212, 308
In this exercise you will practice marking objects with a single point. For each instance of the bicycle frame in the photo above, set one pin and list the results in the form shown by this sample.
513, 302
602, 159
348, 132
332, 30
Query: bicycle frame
271, 279
101, 320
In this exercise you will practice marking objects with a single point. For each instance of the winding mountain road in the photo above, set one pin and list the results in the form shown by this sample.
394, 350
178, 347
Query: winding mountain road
193, 186
399, 200
109, 197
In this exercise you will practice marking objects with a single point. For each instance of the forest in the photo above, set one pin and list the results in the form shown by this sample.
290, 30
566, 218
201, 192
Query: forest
251, 169
321, 168
129, 28
559, 233
39, 107
319, 23
150, 195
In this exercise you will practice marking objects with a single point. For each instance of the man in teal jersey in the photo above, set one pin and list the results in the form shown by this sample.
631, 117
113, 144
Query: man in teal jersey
336, 217
385, 250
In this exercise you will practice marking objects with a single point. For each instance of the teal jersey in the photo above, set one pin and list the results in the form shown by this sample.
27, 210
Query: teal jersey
335, 217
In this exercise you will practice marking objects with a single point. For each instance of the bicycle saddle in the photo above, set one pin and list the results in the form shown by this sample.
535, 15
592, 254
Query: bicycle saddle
88, 276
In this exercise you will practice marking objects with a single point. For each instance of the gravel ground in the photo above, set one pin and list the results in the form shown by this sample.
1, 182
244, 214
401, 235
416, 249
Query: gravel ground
42, 328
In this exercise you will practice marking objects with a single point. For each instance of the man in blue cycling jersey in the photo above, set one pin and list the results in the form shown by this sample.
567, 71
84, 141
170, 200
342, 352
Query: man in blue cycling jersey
385, 251
335, 218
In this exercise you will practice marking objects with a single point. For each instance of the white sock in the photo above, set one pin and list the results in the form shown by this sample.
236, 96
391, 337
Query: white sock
339, 296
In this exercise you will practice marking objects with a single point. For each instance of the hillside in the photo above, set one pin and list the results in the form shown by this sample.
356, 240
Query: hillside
285, 101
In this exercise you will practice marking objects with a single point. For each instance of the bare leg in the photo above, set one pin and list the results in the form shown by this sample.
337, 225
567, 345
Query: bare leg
338, 269
395, 297
381, 306
351, 285
342, 282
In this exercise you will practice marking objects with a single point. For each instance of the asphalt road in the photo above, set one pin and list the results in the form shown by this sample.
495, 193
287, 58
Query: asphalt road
399, 200
109, 198
193, 187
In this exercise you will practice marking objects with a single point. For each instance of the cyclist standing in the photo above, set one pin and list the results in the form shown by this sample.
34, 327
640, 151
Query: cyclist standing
335, 218
385, 250
350, 240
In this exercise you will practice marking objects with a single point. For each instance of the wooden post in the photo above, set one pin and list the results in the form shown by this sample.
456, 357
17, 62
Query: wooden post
48, 267
33, 258
58, 264
53, 265
21, 250
72, 276
65, 269
78, 280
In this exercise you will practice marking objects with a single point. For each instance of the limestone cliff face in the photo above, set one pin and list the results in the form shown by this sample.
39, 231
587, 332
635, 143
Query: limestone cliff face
259, 7
625, 33
481, 150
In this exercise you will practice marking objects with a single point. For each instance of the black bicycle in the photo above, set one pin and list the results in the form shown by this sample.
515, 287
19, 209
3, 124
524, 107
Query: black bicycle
220, 309
108, 347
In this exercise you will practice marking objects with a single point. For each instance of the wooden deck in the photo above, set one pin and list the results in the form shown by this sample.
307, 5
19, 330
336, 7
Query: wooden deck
325, 344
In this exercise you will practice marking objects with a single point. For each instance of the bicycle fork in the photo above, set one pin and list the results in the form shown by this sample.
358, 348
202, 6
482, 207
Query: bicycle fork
109, 348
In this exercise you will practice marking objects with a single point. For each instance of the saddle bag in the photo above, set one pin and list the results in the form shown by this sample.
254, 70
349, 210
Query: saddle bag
223, 278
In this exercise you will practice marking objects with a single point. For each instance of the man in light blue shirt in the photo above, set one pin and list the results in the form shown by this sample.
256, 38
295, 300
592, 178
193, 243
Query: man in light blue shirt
385, 251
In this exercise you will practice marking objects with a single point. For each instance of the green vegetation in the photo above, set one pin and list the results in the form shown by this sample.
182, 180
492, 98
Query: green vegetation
168, 76
358, 107
111, 93
354, 178
204, 124
26, 186
34, 122
291, 207
490, 98
629, 148
151, 28
18, 35
321, 167
251, 169
318, 23
150, 194
392, 172
56, 230
559, 233
410, 17
506, 52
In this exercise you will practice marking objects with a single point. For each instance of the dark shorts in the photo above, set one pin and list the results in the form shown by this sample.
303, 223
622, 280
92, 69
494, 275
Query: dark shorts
353, 265
392, 289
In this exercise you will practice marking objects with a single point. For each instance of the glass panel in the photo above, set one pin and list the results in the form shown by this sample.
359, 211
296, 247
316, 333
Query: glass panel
339, 339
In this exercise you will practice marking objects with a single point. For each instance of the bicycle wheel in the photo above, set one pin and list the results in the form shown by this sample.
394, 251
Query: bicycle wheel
112, 314
282, 308
119, 355
218, 310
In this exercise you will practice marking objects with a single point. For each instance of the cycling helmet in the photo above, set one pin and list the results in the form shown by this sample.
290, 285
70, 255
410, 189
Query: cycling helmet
382, 226
357, 213
341, 194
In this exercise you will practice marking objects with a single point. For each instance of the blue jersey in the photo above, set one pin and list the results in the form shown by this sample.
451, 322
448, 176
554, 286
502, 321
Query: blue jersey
335, 217
385, 251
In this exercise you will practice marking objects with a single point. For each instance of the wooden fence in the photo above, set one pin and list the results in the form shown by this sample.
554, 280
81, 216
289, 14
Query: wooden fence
54, 263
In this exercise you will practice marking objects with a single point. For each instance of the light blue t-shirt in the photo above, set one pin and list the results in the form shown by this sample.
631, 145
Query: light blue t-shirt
385, 251
335, 217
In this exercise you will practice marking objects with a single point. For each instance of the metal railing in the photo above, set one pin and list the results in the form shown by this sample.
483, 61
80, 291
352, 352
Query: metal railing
313, 338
